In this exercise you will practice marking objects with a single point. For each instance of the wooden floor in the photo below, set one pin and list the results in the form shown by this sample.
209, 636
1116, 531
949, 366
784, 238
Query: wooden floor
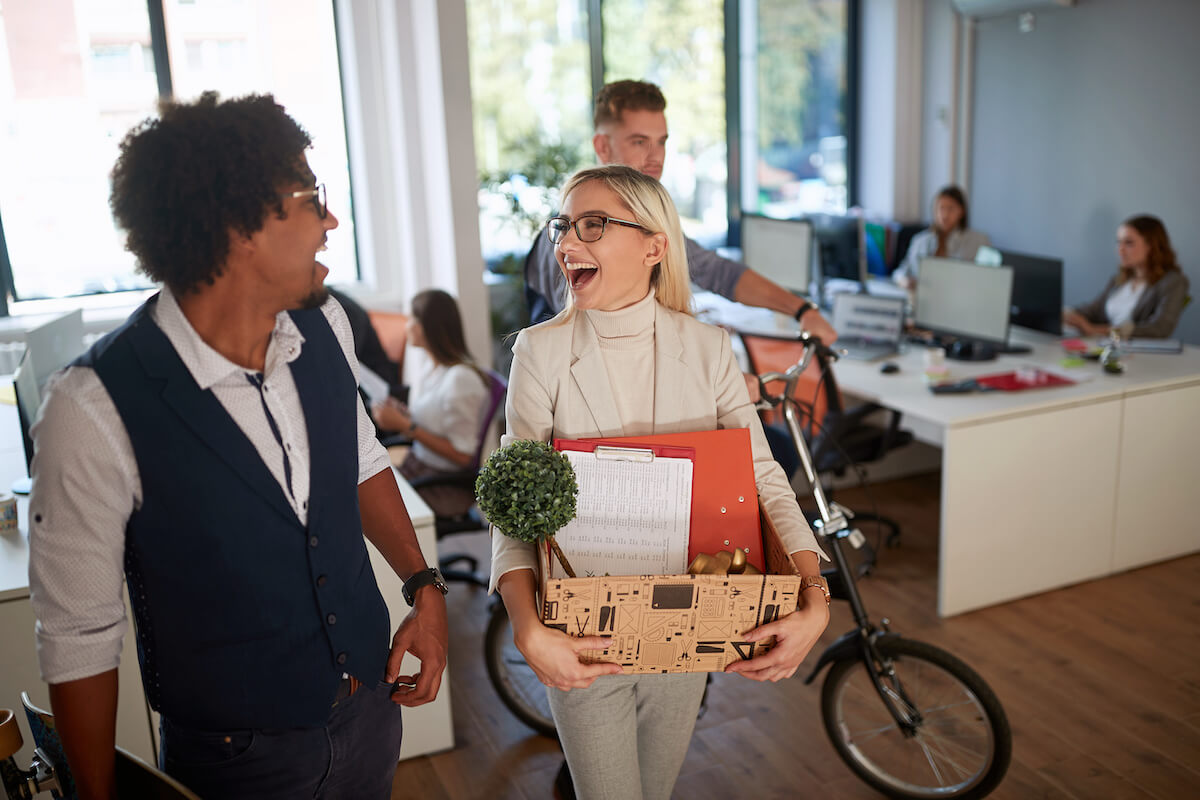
1100, 681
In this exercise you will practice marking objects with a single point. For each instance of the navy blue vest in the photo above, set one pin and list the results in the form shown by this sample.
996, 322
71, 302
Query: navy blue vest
244, 617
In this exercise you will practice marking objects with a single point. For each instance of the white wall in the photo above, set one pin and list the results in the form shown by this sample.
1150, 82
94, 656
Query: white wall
408, 115
938, 103
889, 159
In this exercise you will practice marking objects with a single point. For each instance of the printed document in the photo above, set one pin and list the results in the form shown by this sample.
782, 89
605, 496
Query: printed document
632, 516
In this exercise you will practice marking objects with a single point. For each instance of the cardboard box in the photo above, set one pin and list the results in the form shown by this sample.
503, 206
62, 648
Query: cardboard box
674, 623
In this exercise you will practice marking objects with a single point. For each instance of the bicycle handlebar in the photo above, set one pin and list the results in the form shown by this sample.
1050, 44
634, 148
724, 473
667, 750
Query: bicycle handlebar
813, 346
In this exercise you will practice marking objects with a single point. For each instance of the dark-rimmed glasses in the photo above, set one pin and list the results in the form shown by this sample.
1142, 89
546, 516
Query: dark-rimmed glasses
318, 197
589, 227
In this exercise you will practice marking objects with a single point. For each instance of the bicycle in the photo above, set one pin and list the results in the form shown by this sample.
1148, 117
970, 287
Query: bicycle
908, 718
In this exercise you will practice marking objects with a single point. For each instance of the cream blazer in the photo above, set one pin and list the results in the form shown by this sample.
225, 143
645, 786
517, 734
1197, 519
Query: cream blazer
559, 387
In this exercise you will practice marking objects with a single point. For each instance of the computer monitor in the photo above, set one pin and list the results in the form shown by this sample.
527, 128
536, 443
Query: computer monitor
1037, 291
55, 344
841, 247
779, 249
964, 299
28, 395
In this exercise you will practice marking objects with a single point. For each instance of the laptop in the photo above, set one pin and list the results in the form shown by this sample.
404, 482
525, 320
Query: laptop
868, 326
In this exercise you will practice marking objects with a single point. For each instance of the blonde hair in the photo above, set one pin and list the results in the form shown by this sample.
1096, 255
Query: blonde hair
651, 207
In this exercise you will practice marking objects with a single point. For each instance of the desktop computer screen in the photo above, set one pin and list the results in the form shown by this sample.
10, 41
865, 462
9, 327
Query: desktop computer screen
841, 247
1036, 292
55, 344
964, 299
780, 249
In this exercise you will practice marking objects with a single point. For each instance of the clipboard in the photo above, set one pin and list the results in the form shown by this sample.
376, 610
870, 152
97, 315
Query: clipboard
724, 494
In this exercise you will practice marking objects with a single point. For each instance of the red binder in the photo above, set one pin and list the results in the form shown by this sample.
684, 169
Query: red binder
724, 496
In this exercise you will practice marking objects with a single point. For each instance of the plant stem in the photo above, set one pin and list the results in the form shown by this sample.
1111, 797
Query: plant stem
562, 557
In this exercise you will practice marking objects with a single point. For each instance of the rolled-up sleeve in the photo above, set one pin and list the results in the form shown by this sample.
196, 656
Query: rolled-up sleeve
712, 272
85, 487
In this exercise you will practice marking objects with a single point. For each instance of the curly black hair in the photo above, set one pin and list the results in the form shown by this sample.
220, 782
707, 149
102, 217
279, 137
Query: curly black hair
199, 170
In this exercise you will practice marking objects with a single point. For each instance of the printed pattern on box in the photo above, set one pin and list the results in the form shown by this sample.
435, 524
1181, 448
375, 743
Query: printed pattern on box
670, 623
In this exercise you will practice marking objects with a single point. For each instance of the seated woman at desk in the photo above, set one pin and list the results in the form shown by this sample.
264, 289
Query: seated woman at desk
627, 358
947, 237
444, 420
1148, 293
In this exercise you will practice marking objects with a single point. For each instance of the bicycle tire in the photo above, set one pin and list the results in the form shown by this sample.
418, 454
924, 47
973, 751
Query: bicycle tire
518, 687
962, 746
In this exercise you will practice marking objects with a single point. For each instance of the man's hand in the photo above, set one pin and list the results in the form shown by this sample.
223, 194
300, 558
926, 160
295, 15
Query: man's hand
424, 634
818, 326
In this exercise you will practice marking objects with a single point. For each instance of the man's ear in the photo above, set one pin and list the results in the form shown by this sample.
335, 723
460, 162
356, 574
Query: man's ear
603, 147
656, 249
240, 243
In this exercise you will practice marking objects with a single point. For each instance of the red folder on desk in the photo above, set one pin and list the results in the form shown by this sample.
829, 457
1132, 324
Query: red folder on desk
724, 495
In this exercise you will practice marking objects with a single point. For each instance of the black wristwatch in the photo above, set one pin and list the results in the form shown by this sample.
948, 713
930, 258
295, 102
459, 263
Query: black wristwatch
420, 580
809, 305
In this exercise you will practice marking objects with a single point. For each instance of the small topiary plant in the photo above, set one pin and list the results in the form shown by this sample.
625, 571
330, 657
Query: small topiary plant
527, 489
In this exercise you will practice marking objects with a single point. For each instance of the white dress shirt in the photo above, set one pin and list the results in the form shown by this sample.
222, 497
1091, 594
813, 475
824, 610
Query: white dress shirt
451, 403
86, 483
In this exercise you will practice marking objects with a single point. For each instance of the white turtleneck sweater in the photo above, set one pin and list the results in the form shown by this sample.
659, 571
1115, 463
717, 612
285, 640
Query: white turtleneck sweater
627, 346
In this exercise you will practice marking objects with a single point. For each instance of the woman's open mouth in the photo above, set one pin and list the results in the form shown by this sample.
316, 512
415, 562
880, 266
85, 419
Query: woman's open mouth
580, 276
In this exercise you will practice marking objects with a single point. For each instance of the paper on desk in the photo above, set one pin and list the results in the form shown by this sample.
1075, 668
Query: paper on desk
374, 387
632, 517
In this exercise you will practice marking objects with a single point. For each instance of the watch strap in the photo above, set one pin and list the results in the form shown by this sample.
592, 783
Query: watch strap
809, 305
419, 580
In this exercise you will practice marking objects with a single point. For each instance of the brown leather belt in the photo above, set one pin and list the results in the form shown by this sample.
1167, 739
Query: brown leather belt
347, 687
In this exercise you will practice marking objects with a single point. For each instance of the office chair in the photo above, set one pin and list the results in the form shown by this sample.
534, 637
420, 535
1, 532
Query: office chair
48, 772
471, 520
838, 438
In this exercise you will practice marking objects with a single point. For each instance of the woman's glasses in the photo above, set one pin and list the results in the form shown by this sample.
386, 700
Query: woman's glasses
589, 227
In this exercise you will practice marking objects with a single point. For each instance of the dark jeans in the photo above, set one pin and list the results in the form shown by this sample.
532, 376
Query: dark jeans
353, 756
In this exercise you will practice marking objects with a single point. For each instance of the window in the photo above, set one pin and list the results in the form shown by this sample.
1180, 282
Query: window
783, 93
795, 100
71, 90
644, 40
530, 88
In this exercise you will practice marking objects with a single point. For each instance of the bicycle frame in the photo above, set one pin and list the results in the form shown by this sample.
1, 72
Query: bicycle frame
834, 527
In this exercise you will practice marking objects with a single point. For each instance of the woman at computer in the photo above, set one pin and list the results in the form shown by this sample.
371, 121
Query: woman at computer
1148, 293
947, 237
627, 358
445, 419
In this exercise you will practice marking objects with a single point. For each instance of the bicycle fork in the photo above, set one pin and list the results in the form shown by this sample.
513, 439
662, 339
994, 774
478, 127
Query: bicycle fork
860, 643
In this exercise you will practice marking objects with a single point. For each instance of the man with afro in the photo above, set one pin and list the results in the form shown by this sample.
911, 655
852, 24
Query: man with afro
214, 454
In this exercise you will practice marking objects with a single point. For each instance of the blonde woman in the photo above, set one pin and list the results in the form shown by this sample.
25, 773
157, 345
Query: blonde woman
627, 358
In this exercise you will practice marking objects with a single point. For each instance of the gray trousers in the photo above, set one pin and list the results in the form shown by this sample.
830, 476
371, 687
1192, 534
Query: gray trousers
625, 736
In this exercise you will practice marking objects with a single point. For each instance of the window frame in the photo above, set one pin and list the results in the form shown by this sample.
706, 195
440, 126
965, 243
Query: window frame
733, 111
162, 69
733, 108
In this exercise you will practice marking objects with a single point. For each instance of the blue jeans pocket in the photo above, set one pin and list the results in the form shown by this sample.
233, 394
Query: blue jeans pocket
184, 748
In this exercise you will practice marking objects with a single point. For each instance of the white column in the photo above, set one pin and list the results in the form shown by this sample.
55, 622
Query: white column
408, 117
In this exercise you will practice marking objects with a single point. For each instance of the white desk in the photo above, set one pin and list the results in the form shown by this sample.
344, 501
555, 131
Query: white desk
427, 729
1045, 487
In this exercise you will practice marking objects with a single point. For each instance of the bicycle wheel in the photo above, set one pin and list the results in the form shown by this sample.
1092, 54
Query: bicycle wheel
512, 678
959, 743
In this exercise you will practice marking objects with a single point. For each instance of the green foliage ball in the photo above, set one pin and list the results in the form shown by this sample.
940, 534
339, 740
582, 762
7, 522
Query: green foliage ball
527, 489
